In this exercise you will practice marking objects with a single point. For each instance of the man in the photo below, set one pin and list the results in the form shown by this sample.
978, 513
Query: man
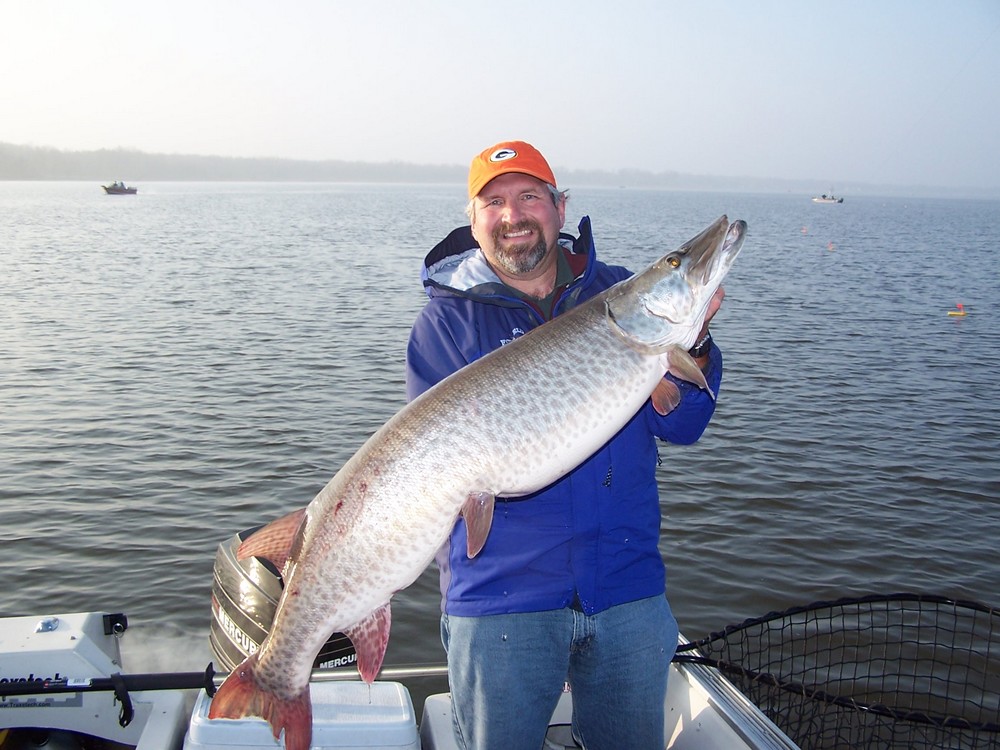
569, 586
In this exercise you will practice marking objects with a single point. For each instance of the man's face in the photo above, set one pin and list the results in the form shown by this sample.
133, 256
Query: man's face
516, 222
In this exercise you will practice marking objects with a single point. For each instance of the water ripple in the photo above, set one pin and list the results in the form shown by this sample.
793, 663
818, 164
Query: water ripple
181, 366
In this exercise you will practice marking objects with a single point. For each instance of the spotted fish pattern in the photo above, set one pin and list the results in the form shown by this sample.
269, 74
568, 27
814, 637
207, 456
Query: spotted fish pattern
508, 424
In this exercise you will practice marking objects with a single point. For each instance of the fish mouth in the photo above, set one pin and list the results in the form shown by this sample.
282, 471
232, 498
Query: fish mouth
711, 254
690, 276
665, 305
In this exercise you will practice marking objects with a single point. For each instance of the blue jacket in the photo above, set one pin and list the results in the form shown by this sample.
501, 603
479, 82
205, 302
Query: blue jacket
591, 538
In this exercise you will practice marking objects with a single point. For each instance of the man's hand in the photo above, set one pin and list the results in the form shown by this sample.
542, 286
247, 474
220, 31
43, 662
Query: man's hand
713, 307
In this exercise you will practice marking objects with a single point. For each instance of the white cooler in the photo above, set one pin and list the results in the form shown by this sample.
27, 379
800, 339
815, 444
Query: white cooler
346, 716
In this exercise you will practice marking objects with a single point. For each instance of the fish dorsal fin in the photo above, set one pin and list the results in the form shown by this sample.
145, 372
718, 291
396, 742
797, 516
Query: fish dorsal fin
478, 514
274, 541
370, 637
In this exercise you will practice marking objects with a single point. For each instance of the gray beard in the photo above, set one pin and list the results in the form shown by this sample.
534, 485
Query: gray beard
523, 258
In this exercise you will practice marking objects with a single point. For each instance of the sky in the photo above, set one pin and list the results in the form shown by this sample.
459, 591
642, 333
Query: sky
888, 92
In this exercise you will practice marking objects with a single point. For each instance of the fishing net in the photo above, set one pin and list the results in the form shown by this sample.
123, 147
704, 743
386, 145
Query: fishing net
881, 671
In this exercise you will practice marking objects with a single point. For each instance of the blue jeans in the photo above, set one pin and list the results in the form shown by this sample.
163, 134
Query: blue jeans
506, 673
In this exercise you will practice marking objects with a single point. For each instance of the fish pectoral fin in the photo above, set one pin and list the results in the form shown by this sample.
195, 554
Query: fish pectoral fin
370, 637
478, 514
666, 396
274, 541
681, 365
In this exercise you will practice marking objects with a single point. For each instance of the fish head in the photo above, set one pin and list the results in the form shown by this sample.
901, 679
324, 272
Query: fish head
666, 304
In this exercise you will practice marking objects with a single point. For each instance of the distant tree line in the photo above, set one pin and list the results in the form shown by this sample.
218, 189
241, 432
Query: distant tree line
40, 163
44, 163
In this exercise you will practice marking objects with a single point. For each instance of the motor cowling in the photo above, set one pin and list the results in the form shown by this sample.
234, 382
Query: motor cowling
245, 596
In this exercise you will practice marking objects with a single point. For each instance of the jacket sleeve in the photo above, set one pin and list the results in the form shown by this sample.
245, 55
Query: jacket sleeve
435, 349
685, 424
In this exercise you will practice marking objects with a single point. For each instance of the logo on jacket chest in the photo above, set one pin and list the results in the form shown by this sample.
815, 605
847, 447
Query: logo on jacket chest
515, 333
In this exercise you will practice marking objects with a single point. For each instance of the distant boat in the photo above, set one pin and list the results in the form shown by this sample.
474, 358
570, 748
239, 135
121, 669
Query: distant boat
119, 188
831, 198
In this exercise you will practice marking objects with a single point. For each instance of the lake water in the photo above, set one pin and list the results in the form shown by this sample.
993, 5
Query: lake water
200, 358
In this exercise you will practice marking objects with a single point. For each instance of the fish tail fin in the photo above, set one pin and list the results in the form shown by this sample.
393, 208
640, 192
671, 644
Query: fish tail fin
241, 695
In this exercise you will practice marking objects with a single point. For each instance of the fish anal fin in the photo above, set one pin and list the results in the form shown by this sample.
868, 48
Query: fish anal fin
665, 397
370, 638
478, 514
274, 541
241, 695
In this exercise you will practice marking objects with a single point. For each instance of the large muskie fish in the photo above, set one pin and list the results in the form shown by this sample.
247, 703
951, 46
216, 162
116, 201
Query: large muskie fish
508, 424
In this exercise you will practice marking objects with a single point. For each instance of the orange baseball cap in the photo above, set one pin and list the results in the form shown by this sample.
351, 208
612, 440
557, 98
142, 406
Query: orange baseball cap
508, 156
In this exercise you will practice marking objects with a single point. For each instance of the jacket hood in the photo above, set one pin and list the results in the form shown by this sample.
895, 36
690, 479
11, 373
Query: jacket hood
457, 265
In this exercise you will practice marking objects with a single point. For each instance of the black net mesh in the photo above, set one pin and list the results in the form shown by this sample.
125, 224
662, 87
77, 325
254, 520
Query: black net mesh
882, 671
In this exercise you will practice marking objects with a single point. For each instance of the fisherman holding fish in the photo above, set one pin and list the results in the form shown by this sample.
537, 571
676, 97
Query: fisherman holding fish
543, 439
569, 585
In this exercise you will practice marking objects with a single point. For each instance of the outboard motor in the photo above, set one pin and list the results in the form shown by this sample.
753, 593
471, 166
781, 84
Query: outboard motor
245, 595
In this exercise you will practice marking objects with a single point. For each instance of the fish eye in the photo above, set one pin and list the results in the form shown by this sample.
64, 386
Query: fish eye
674, 262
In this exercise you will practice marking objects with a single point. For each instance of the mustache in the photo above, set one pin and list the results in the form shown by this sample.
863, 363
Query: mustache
506, 228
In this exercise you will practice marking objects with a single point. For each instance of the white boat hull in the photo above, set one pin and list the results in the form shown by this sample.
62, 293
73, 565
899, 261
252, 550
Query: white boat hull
75, 647
703, 710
